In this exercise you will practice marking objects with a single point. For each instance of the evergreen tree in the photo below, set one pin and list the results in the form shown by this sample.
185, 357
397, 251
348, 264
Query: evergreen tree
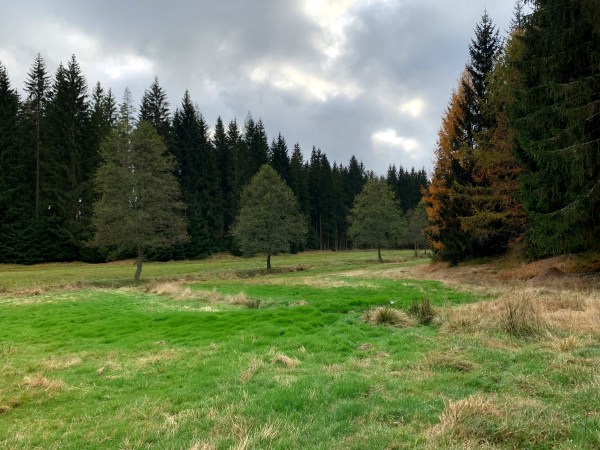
375, 218
482, 52
12, 184
219, 143
235, 171
198, 177
138, 205
279, 158
67, 193
257, 148
269, 220
556, 116
496, 218
299, 179
154, 109
37, 89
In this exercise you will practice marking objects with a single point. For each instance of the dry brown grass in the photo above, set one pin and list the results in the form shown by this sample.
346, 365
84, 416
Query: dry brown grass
59, 364
284, 360
388, 316
528, 311
158, 356
40, 382
479, 422
253, 367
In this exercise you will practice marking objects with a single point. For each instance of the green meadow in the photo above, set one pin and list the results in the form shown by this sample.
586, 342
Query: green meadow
222, 354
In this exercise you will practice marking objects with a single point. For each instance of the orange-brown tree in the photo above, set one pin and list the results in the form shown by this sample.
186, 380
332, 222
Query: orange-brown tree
443, 203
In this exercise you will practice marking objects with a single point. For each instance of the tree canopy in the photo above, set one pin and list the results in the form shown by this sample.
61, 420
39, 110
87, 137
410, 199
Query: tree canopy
138, 202
269, 220
376, 219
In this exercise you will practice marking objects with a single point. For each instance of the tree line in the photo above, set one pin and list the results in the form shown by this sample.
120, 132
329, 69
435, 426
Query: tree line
518, 152
50, 150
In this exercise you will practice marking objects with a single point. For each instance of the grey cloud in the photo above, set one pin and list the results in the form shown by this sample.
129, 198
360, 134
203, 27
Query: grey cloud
394, 51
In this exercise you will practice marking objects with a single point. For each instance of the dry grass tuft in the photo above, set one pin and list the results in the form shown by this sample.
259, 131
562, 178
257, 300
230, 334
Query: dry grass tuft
253, 367
284, 360
39, 381
388, 316
240, 299
565, 345
512, 423
422, 311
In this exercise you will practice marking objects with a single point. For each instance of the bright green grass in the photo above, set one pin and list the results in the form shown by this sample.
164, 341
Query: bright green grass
124, 368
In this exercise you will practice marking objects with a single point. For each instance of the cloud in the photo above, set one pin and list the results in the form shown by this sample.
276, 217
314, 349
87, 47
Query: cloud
390, 138
365, 77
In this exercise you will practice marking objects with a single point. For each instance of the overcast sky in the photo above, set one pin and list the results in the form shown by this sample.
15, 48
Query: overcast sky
365, 77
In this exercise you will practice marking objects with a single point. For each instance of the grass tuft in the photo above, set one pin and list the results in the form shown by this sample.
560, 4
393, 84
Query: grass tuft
422, 311
40, 382
384, 315
284, 360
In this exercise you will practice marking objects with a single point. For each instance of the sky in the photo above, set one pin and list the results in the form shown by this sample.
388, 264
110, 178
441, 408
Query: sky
370, 78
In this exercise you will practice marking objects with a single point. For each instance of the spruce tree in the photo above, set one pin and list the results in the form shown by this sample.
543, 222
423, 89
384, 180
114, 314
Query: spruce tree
556, 116
198, 177
67, 192
279, 158
37, 90
154, 109
13, 187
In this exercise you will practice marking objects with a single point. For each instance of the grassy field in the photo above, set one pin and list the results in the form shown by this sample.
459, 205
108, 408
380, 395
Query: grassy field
220, 354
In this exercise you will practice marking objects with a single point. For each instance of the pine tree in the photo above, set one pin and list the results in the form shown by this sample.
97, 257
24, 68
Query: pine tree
556, 116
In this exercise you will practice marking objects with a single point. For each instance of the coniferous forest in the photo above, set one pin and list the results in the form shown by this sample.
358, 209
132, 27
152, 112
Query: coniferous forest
50, 140
518, 152
517, 161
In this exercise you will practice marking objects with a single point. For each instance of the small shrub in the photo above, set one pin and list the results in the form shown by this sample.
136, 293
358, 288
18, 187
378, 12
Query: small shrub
422, 311
388, 316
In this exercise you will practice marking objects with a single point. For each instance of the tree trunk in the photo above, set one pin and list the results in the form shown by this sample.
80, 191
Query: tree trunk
416, 250
268, 261
140, 259
379, 254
